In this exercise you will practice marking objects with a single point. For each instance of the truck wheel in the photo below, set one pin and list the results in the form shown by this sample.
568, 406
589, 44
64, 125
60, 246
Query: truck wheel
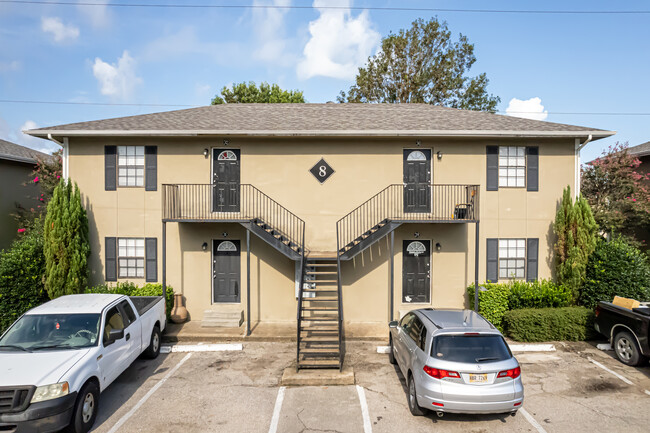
154, 344
85, 409
627, 350
391, 354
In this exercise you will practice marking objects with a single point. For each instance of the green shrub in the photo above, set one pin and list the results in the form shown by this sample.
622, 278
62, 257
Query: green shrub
22, 267
550, 324
538, 294
492, 303
131, 289
616, 269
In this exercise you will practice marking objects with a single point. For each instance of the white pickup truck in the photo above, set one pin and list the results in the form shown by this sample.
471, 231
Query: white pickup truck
57, 358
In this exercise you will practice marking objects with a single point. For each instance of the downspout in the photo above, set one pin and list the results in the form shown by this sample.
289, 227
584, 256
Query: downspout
64, 157
579, 147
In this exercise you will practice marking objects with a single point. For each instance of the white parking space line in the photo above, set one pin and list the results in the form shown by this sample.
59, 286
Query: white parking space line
629, 382
367, 426
532, 347
201, 348
137, 406
532, 421
276, 411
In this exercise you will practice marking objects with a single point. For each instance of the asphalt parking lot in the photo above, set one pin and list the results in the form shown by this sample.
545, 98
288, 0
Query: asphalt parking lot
577, 388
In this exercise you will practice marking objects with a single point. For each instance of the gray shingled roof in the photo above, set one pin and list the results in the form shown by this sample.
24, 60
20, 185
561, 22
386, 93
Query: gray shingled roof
640, 150
16, 152
321, 119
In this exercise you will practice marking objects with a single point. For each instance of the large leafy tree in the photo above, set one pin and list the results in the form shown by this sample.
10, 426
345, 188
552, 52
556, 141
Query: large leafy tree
66, 245
576, 232
617, 193
423, 64
249, 93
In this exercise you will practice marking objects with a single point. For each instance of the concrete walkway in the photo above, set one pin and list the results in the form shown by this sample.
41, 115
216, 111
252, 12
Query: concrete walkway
192, 332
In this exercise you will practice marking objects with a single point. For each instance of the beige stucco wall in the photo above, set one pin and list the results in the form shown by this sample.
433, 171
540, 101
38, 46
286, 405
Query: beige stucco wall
280, 168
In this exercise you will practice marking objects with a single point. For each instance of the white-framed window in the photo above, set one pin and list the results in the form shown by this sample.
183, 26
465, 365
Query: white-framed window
512, 166
130, 165
130, 257
512, 258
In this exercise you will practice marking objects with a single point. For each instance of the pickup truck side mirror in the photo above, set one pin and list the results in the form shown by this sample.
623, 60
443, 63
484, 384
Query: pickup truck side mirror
113, 336
392, 324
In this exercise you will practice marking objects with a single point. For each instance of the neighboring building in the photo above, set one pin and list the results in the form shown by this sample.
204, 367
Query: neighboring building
642, 151
16, 166
395, 192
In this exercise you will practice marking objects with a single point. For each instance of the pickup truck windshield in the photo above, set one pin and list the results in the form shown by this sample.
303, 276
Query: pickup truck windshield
51, 332
470, 348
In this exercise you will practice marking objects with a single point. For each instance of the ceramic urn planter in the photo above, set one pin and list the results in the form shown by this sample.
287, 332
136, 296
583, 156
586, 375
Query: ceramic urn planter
179, 312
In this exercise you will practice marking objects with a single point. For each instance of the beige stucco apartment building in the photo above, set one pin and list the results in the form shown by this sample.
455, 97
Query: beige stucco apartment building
376, 208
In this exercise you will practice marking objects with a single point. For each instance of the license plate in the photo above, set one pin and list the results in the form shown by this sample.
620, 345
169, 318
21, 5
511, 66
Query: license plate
477, 378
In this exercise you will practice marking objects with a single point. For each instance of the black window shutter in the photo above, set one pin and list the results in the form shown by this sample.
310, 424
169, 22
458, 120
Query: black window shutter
110, 168
151, 251
492, 270
532, 248
150, 168
111, 259
492, 157
532, 163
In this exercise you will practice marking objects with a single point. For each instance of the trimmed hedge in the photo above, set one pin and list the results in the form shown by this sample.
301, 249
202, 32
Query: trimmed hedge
22, 267
616, 268
130, 289
498, 298
550, 324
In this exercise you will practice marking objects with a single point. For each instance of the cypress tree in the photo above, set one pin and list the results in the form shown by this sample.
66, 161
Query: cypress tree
576, 230
66, 245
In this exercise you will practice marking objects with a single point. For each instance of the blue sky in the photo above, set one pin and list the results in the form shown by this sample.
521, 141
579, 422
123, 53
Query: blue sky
74, 53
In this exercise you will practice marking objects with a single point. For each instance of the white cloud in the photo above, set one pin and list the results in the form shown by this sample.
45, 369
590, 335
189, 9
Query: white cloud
339, 43
14, 65
98, 14
60, 31
16, 136
529, 109
269, 28
117, 81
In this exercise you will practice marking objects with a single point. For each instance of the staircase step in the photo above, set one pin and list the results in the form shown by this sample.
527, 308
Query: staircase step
321, 281
320, 328
322, 298
322, 272
321, 318
319, 363
334, 289
319, 351
320, 339
319, 309
321, 265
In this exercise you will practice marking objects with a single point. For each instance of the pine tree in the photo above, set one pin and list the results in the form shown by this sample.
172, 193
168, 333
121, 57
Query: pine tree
576, 230
66, 244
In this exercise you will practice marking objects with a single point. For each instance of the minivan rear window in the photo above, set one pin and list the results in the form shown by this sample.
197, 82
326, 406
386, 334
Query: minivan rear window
470, 348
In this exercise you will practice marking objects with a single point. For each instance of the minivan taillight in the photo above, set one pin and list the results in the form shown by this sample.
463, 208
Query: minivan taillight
440, 374
514, 373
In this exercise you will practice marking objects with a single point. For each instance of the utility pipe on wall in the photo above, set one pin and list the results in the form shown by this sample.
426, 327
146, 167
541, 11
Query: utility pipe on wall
579, 147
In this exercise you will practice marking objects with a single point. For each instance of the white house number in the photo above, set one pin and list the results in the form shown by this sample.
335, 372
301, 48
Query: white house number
322, 170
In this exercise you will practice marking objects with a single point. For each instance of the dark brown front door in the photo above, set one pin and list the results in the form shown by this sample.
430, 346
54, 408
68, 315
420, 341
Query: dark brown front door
417, 180
225, 180
416, 276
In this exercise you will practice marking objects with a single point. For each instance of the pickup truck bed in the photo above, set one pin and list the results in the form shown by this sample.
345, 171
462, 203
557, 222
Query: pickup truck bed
143, 304
627, 330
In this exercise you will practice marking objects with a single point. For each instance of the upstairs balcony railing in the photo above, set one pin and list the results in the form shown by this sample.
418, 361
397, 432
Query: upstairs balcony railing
235, 202
410, 203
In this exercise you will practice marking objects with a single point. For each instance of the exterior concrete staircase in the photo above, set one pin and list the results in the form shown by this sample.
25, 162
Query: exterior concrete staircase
222, 319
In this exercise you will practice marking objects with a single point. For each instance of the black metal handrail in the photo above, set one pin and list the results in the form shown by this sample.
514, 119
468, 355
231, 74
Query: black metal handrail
411, 203
245, 202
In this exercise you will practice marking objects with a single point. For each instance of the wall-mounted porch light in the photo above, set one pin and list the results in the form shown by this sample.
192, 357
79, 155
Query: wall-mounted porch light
206, 152
418, 142
204, 247
438, 246
439, 155
224, 234
416, 234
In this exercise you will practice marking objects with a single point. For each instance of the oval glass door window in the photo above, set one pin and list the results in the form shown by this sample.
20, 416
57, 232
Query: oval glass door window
416, 248
227, 155
226, 246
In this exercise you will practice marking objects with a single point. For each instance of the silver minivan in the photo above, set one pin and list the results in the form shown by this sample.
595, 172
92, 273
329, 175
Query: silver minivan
455, 361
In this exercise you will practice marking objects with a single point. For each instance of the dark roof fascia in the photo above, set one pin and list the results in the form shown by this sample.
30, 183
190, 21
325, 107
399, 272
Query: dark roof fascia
18, 159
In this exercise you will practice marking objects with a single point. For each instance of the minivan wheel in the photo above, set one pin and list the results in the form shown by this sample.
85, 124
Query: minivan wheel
391, 355
415, 409
85, 409
627, 350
